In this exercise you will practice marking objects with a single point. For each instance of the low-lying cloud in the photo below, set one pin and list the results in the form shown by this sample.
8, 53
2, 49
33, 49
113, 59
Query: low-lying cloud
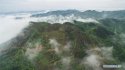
12, 25
95, 57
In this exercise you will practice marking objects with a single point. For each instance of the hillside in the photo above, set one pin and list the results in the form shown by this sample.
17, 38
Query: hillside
69, 46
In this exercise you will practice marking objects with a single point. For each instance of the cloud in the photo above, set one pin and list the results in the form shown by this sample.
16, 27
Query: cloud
93, 60
96, 56
31, 53
66, 62
107, 52
62, 19
55, 45
11, 27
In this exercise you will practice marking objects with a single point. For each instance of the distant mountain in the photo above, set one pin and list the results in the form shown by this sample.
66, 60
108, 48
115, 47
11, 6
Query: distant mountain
86, 14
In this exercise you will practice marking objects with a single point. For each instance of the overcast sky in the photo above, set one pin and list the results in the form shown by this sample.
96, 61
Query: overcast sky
29, 5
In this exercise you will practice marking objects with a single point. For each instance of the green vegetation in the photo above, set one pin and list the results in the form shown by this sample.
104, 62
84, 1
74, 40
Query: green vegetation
82, 36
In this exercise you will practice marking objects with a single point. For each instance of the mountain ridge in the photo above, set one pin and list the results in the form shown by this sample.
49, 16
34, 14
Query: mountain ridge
85, 14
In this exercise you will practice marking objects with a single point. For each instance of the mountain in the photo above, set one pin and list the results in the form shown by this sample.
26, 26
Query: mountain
73, 45
63, 40
86, 14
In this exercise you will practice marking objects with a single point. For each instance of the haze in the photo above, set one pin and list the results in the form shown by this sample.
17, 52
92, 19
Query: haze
36, 5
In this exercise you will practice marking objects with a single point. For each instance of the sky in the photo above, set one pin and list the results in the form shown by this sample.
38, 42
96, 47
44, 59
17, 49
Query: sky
36, 5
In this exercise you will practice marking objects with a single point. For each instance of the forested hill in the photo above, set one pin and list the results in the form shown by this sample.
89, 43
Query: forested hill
68, 46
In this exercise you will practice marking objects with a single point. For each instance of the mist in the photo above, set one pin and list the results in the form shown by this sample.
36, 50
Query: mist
96, 56
10, 27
